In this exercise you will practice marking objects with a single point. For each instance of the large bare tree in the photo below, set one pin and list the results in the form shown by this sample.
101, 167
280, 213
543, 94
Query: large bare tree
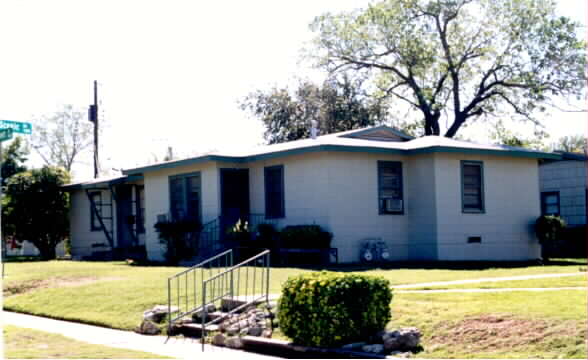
458, 59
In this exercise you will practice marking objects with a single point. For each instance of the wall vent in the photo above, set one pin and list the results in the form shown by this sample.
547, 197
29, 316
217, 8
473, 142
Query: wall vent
474, 239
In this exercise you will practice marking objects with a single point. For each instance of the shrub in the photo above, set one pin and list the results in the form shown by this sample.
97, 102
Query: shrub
305, 236
266, 234
179, 238
548, 230
329, 309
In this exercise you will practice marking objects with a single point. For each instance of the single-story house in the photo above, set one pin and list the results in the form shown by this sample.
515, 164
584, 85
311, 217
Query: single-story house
564, 189
429, 198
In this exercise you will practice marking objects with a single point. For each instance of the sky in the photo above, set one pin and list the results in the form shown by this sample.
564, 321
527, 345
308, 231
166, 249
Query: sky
169, 72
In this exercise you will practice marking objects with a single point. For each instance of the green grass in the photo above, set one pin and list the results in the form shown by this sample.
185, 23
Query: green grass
496, 325
113, 294
22, 343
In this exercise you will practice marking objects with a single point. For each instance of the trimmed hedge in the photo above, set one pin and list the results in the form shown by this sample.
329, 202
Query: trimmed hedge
330, 309
305, 236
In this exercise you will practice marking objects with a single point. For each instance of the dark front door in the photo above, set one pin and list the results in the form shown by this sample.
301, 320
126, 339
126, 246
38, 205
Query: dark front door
234, 196
124, 214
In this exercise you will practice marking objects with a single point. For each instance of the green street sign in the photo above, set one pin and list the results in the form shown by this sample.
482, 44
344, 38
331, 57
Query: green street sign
5, 134
17, 126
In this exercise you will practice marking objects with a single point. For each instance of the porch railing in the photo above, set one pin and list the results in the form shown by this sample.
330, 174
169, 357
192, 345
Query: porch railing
182, 288
246, 282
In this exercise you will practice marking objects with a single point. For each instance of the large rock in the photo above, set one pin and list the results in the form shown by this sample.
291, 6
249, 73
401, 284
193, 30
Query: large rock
219, 340
234, 342
158, 313
255, 331
402, 339
147, 328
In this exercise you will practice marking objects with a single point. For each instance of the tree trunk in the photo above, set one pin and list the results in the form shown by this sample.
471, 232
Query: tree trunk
47, 251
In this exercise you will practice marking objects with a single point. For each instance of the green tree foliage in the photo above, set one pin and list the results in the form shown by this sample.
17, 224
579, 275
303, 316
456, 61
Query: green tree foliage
573, 143
458, 59
60, 138
13, 158
36, 209
339, 104
503, 136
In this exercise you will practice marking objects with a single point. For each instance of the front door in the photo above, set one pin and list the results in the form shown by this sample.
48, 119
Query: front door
234, 197
124, 214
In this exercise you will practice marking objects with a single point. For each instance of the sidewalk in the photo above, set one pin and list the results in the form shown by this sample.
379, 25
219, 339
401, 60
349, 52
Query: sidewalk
493, 279
486, 290
177, 347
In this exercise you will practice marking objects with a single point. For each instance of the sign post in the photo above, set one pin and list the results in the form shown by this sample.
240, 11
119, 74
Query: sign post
7, 129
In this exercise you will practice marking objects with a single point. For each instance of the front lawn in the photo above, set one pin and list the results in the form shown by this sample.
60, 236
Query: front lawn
557, 282
464, 325
114, 294
21, 343
496, 325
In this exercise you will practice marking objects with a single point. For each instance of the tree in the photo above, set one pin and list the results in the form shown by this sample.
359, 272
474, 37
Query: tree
573, 143
339, 104
36, 208
13, 159
461, 59
60, 138
503, 136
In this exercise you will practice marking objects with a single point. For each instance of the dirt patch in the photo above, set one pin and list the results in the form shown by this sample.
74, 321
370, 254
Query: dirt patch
499, 333
18, 288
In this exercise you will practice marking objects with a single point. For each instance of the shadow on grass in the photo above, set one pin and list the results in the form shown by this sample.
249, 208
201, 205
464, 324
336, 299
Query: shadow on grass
443, 265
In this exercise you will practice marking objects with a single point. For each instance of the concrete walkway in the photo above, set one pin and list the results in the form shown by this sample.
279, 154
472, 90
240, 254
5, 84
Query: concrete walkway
486, 290
493, 279
177, 347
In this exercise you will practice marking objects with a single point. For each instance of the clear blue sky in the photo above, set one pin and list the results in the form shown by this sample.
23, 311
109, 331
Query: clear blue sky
170, 72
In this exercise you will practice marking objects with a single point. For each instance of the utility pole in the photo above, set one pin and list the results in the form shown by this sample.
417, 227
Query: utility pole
93, 117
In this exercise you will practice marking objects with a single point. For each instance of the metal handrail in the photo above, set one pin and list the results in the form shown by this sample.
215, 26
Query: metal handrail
199, 265
230, 290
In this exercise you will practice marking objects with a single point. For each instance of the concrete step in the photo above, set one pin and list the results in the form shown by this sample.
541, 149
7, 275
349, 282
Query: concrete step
195, 329
209, 316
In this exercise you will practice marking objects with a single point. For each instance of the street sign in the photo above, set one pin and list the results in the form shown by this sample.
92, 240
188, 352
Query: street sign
17, 126
5, 134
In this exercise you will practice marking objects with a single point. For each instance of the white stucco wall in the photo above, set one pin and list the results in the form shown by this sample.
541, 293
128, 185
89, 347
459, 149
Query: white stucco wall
511, 197
82, 236
338, 191
157, 199
569, 178
420, 182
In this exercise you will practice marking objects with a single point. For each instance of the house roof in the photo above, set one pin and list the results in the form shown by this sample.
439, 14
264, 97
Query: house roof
572, 156
352, 141
101, 182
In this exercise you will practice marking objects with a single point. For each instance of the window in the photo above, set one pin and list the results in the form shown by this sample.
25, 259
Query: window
185, 196
274, 192
472, 187
550, 203
390, 196
140, 210
95, 206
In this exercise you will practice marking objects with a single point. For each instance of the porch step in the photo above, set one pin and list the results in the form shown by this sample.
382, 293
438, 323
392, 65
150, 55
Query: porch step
230, 304
197, 317
194, 329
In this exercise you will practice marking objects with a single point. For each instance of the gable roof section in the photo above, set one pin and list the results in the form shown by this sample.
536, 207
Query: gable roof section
353, 141
378, 133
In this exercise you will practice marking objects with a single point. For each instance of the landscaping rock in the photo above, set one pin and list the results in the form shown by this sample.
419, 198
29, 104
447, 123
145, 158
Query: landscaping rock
234, 342
402, 339
255, 331
233, 330
147, 328
374, 348
267, 333
219, 340
401, 354
158, 313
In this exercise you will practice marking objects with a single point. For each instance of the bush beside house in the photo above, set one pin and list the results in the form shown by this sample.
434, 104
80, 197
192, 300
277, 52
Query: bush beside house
329, 309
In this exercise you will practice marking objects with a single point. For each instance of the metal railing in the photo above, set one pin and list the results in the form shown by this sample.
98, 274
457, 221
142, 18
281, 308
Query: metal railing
182, 288
246, 282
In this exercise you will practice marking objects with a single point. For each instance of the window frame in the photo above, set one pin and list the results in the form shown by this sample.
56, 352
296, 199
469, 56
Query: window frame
544, 195
140, 211
482, 209
381, 164
282, 209
184, 178
94, 222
